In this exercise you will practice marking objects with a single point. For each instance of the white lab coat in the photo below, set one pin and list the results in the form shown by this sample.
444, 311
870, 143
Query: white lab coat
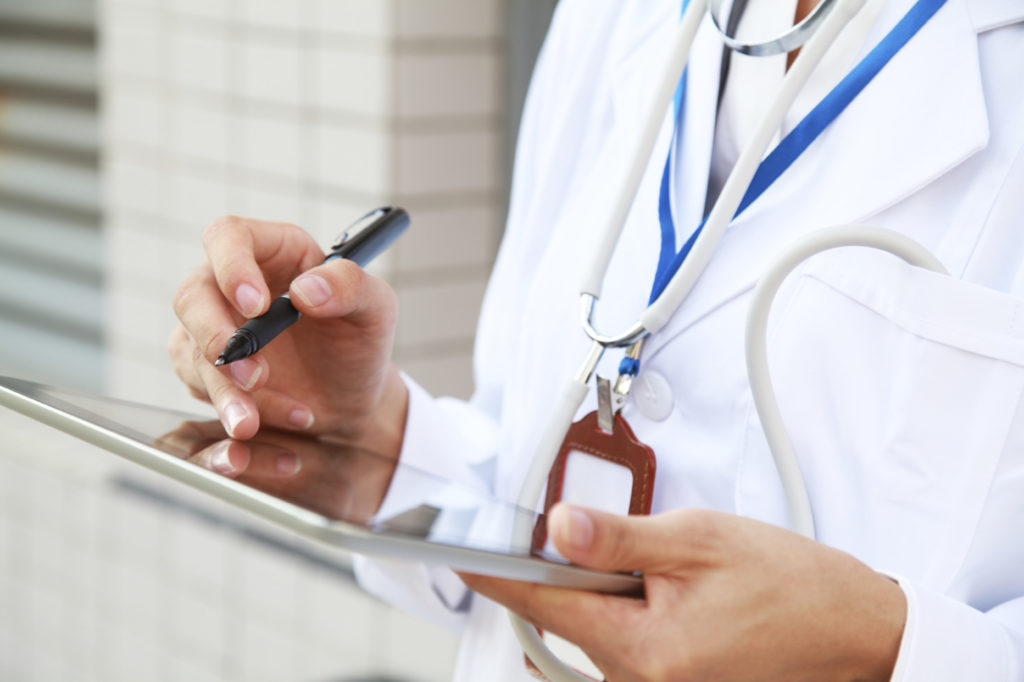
901, 388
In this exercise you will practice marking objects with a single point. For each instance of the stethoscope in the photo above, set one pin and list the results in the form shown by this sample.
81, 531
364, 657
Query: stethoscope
813, 35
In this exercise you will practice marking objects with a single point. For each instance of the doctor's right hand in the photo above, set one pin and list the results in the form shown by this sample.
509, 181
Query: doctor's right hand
330, 373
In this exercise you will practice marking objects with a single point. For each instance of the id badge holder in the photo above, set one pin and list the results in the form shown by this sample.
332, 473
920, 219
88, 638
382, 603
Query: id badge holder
600, 464
617, 459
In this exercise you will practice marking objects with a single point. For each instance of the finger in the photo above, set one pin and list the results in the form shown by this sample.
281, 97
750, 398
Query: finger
596, 623
269, 460
665, 543
240, 405
190, 437
205, 316
246, 411
207, 323
249, 374
340, 288
228, 458
281, 411
245, 254
180, 348
236, 408
256, 460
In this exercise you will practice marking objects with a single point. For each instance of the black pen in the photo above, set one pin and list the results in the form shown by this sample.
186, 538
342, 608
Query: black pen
360, 243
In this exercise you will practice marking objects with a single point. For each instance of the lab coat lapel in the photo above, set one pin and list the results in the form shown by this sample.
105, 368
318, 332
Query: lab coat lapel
901, 133
635, 54
636, 61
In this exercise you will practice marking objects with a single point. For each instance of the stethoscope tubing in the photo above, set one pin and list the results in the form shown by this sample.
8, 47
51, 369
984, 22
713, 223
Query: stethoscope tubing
642, 148
661, 310
756, 344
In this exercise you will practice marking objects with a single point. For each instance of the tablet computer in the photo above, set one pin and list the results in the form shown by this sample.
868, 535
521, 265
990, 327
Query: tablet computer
323, 489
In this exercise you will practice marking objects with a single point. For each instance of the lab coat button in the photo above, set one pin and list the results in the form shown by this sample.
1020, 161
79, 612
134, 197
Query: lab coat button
653, 395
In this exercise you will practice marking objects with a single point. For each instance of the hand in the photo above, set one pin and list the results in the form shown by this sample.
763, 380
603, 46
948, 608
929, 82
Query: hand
329, 373
727, 599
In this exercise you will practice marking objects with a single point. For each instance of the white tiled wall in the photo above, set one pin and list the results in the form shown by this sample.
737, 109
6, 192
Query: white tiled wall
308, 111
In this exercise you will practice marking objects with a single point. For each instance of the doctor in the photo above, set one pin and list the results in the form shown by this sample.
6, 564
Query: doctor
901, 389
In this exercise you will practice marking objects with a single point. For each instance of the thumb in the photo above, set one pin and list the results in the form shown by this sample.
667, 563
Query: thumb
611, 542
340, 288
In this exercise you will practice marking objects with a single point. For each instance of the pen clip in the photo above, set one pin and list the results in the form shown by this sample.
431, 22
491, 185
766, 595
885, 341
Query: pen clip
359, 225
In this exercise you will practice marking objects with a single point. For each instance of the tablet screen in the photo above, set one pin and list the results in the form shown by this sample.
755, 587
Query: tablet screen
331, 479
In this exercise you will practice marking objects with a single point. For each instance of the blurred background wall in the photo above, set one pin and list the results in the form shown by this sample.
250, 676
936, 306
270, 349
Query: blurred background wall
51, 256
126, 126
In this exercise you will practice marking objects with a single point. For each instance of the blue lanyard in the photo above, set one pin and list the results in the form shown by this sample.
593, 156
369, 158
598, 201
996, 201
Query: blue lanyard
792, 146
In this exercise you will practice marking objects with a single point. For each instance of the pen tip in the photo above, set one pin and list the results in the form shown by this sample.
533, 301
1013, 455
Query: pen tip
218, 362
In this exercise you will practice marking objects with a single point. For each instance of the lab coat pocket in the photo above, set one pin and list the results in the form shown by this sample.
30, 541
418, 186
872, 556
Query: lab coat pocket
898, 387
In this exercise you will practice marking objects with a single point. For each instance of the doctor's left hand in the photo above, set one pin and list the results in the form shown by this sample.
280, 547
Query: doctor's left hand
727, 598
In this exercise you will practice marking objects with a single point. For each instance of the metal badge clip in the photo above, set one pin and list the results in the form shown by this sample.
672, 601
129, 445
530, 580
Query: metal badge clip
610, 401
605, 408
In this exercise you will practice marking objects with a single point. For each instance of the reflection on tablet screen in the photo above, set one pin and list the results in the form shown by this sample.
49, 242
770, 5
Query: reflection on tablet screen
330, 478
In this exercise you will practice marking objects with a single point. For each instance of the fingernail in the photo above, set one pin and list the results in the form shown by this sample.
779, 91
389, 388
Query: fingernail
573, 526
288, 464
246, 372
312, 289
219, 460
300, 418
232, 416
249, 299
